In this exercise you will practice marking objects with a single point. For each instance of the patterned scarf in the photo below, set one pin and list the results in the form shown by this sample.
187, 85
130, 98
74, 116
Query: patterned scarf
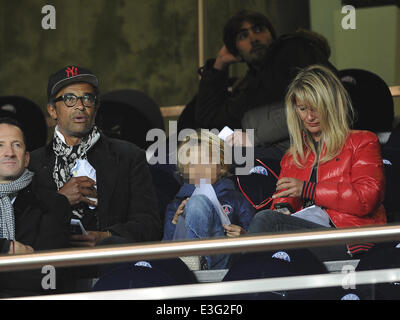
66, 156
7, 192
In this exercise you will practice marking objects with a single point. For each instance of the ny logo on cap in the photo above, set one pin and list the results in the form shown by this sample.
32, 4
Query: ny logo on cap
71, 71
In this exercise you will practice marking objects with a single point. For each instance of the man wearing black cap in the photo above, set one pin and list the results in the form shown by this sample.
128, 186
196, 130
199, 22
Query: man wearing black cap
257, 101
117, 203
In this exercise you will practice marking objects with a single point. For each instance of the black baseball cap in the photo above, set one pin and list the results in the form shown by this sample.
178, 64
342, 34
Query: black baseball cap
68, 75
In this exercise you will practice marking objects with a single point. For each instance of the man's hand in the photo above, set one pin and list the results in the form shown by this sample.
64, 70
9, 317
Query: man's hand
78, 189
19, 248
225, 58
179, 211
233, 231
292, 188
88, 240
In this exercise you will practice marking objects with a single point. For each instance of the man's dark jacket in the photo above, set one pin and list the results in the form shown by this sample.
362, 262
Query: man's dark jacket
127, 205
216, 107
42, 222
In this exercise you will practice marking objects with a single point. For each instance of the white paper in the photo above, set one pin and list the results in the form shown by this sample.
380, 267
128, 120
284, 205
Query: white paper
76, 222
225, 133
83, 168
314, 214
207, 190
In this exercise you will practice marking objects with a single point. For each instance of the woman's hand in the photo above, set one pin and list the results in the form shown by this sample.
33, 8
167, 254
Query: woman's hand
179, 211
291, 188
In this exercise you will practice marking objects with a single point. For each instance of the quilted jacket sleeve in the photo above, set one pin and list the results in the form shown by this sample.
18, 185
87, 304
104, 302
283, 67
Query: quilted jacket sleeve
361, 195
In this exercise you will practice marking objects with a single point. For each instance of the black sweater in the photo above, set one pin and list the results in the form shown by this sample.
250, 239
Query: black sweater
216, 107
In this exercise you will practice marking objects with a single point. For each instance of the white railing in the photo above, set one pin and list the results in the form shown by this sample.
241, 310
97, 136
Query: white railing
160, 250
235, 287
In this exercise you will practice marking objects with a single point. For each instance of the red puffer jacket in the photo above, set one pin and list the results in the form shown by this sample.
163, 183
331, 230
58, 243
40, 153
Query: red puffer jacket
349, 187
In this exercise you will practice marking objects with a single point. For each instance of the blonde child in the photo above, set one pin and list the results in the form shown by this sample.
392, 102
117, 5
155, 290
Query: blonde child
201, 159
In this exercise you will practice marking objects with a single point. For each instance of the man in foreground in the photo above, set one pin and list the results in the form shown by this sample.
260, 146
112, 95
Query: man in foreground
31, 219
113, 195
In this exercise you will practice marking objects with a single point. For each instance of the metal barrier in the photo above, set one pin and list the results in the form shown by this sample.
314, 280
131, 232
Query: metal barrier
115, 254
160, 250
233, 287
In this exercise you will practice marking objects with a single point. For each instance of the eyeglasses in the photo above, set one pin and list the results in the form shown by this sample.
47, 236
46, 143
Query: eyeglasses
70, 100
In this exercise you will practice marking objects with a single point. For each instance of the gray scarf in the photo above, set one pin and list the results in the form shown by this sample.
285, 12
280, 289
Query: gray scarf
7, 192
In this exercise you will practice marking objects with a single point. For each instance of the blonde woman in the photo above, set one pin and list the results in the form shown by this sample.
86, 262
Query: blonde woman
327, 165
202, 157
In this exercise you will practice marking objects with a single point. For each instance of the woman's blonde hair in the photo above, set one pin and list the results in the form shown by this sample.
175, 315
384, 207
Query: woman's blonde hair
318, 87
209, 145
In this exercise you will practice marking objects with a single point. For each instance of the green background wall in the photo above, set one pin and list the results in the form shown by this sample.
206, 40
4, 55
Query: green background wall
374, 45
152, 45
146, 45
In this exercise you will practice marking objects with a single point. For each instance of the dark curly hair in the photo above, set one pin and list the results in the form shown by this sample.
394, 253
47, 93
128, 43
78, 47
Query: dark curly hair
233, 26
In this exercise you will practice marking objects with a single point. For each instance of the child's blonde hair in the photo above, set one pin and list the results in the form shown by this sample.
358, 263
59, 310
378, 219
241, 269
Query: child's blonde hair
209, 144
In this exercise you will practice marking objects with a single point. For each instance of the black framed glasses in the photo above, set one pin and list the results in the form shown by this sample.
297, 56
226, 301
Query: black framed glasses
88, 100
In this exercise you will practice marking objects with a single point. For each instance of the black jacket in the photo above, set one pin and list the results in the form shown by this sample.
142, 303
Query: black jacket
127, 205
216, 107
41, 221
